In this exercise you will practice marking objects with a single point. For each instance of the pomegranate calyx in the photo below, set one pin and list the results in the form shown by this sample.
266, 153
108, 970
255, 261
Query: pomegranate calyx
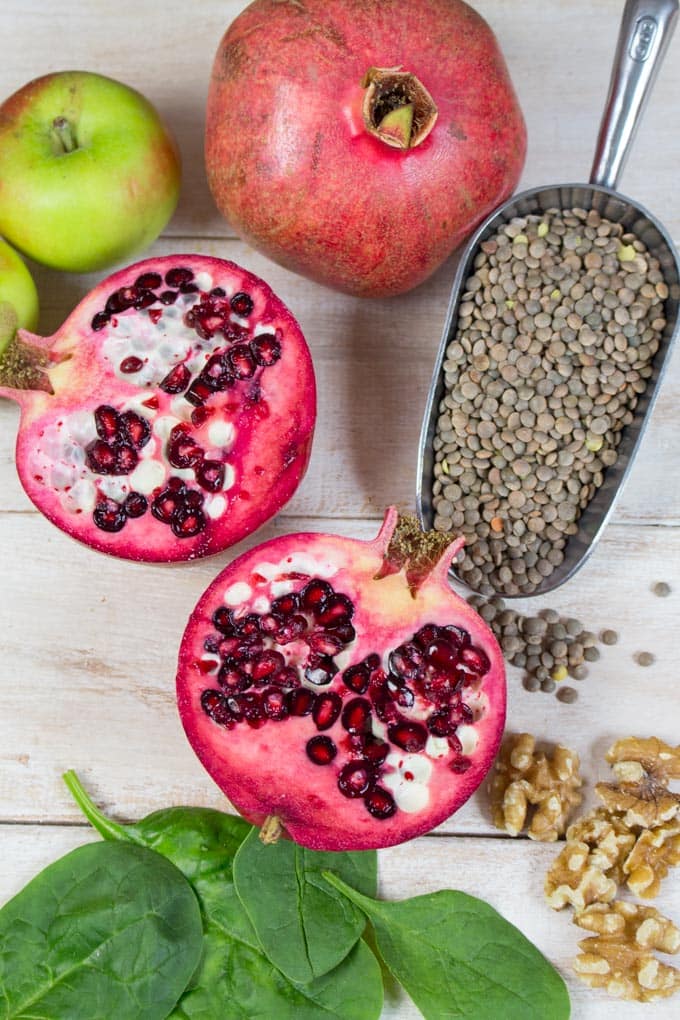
271, 830
22, 364
415, 550
397, 108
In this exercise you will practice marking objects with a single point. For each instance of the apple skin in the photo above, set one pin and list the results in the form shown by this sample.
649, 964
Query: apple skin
17, 288
109, 197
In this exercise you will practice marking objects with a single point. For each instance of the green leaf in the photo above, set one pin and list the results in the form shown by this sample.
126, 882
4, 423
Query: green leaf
305, 926
106, 931
457, 957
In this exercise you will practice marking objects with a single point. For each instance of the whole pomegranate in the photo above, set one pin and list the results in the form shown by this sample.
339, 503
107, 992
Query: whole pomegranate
359, 143
170, 415
340, 690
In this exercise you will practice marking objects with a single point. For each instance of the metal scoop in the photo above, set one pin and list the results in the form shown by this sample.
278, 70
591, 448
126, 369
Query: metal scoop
646, 29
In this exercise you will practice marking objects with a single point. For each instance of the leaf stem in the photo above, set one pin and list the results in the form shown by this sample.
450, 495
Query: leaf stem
104, 826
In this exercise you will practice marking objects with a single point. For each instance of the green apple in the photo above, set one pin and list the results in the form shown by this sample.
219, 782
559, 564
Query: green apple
89, 172
18, 297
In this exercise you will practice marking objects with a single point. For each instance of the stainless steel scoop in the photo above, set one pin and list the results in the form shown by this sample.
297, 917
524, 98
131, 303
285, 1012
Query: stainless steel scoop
646, 29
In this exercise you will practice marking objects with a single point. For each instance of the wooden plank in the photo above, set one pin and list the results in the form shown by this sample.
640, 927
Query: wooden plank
89, 657
511, 882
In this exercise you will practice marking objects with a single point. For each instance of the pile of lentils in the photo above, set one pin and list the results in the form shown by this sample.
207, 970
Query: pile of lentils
555, 338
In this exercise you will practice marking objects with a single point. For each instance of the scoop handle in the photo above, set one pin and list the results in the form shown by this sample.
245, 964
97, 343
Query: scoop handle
646, 30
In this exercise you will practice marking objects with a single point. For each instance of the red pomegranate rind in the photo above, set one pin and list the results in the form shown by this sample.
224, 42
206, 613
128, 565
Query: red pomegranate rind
267, 768
134, 409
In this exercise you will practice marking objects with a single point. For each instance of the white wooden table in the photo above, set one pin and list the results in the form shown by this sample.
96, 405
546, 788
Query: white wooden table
89, 643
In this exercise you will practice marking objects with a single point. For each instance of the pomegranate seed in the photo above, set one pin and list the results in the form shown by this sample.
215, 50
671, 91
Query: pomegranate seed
356, 716
197, 393
407, 662
427, 634
356, 678
168, 297
223, 620
453, 633
210, 475
462, 714
336, 610
321, 750
101, 458
291, 629
285, 605
475, 660
324, 643
107, 422
100, 320
385, 709
286, 677
356, 778
400, 692
440, 724
267, 663
135, 504
135, 429
218, 292
274, 703
188, 288
232, 679
177, 275
215, 705
320, 671
461, 764
149, 281
248, 704
248, 625
344, 632
266, 349
131, 364
216, 373
375, 750
300, 701
176, 381
146, 298
165, 504
109, 515
121, 299
182, 449
193, 498
269, 624
326, 710
242, 362
126, 460
200, 415
315, 594
454, 743
187, 522
439, 687
372, 661
241, 303
442, 654
410, 736
380, 803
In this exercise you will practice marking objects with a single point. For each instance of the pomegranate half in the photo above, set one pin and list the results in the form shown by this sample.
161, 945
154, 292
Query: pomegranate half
170, 415
339, 690
359, 143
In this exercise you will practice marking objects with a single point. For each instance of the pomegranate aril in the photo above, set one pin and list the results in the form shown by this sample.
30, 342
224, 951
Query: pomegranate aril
462, 714
241, 303
356, 716
101, 458
290, 630
188, 288
215, 705
210, 475
266, 349
232, 679
356, 778
109, 515
274, 703
212, 643
166, 504
320, 671
269, 624
315, 594
248, 625
427, 634
149, 281
460, 765
375, 750
168, 297
121, 300
380, 803
176, 381
410, 736
266, 664
300, 701
372, 661
248, 704
286, 677
452, 632
326, 710
400, 692
187, 522
130, 365
324, 642
126, 460
198, 393
385, 709
218, 292
193, 498
224, 620
344, 632
407, 662
182, 450
336, 610
178, 275
356, 678
136, 429
321, 750
441, 724
107, 422
241, 362
285, 605
135, 504
145, 299
442, 654
100, 320
475, 660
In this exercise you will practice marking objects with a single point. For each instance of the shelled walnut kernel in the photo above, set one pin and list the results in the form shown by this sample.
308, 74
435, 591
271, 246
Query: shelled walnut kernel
620, 957
524, 778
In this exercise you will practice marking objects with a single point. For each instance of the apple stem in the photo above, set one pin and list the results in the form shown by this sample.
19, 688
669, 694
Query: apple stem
62, 136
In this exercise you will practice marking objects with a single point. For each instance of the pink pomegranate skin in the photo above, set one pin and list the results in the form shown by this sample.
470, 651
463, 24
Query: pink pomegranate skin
294, 170
264, 768
257, 431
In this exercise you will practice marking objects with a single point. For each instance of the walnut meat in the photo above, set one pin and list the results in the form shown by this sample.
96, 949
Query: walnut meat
609, 841
643, 768
621, 956
575, 881
655, 851
529, 784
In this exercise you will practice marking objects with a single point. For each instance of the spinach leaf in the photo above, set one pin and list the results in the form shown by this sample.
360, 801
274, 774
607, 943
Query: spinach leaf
197, 840
106, 931
457, 957
305, 926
